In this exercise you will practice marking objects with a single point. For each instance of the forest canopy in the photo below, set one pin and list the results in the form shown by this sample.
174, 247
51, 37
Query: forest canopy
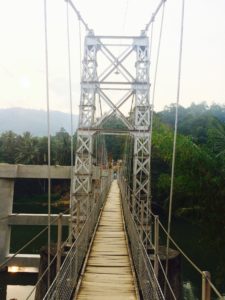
199, 189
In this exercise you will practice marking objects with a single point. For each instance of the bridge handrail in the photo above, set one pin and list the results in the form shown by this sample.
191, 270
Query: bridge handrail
202, 273
47, 269
147, 279
67, 278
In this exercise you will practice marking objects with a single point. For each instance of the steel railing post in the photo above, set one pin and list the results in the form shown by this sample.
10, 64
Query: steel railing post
59, 243
142, 222
206, 288
156, 245
78, 218
59, 253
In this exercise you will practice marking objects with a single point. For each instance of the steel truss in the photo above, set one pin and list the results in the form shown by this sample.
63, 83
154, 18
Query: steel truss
132, 65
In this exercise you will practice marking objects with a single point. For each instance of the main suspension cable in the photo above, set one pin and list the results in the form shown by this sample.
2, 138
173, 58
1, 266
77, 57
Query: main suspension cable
80, 49
48, 131
155, 75
154, 88
153, 16
78, 15
175, 134
71, 118
125, 16
157, 58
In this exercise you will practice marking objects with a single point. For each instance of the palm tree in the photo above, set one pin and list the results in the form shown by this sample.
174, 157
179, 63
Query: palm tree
26, 151
8, 144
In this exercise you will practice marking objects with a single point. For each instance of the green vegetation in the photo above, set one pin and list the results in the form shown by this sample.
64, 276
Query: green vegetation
26, 149
115, 144
199, 189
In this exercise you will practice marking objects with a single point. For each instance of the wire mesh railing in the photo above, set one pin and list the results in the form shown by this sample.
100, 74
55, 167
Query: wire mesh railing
148, 265
147, 279
208, 289
67, 278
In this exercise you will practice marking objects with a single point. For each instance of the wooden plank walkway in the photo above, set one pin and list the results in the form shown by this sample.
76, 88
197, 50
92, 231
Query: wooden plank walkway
108, 274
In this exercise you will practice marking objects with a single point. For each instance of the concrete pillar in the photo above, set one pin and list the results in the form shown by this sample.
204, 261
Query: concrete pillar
174, 272
42, 287
6, 206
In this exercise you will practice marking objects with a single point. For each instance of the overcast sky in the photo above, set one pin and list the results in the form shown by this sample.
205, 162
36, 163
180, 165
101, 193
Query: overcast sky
22, 77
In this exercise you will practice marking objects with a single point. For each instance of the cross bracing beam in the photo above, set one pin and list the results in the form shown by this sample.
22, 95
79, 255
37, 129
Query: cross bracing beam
121, 89
118, 37
116, 62
115, 131
116, 107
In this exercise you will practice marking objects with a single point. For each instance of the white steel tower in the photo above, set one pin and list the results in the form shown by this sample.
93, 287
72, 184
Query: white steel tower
122, 63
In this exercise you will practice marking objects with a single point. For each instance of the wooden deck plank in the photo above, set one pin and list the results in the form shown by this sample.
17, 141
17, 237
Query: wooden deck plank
108, 274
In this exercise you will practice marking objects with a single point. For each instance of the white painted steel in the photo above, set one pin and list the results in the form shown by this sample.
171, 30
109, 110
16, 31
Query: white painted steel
135, 75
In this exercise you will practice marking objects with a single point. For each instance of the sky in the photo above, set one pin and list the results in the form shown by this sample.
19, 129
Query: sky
22, 56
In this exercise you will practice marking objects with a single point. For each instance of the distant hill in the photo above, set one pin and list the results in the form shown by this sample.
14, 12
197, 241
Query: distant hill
194, 111
20, 120
204, 124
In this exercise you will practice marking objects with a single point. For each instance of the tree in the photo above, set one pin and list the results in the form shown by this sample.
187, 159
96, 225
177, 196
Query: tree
8, 145
26, 150
199, 189
62, 145
115, 144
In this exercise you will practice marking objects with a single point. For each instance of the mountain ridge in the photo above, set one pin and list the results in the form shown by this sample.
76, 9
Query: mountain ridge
20, 120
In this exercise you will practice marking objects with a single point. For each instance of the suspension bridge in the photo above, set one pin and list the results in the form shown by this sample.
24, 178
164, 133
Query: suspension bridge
113, 243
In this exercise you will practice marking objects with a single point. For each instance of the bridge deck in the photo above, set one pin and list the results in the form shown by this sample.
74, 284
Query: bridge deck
108, 273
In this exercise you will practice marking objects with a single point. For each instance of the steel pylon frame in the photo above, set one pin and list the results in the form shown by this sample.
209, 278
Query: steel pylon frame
134, 82
82, 181
141, 158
